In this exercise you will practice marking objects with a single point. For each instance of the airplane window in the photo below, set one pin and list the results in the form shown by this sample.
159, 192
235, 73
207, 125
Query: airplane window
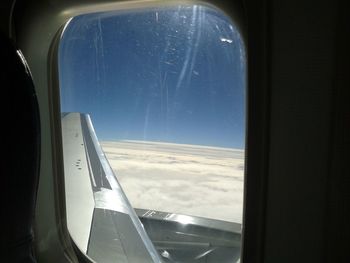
153, 126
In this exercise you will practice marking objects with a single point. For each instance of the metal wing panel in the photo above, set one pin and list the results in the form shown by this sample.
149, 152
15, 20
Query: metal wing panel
105, 226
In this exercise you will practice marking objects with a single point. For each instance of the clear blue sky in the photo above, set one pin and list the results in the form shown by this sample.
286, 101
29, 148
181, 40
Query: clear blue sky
173, 75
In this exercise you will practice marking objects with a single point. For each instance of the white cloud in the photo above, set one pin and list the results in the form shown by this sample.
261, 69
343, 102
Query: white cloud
184, 179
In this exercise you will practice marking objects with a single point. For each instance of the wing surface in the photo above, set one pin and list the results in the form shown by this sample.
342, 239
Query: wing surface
107, 228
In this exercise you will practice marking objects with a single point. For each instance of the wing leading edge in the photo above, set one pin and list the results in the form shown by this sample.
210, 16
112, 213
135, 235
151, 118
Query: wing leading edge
100, 219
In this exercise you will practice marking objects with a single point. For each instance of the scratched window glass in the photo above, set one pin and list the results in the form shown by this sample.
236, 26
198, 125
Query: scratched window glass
165, 93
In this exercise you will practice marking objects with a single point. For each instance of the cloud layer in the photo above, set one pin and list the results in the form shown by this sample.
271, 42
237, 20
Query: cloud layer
184, 179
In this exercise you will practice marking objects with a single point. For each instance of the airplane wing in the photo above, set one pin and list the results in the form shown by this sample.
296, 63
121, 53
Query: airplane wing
104, 225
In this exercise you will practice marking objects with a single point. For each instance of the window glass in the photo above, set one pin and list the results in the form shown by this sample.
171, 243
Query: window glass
165, 93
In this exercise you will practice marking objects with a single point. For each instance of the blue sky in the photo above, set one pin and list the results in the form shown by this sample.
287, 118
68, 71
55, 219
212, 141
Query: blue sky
171, 75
